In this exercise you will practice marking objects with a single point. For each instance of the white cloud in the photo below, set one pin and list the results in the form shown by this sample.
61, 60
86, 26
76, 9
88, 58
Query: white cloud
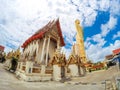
116, 35
21, 18
115, 7
106, 28
97, 53
99, 40
67, 52
104, 5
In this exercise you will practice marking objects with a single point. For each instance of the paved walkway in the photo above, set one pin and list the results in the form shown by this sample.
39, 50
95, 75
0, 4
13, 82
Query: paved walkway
8, 81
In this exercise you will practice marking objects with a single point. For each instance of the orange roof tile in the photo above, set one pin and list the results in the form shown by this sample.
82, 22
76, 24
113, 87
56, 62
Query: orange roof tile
116, 51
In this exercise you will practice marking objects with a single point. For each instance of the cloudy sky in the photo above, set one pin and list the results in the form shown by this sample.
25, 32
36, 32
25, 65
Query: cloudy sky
100, 19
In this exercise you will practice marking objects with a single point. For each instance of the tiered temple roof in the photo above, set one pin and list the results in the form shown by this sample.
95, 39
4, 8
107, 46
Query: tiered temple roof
41, 32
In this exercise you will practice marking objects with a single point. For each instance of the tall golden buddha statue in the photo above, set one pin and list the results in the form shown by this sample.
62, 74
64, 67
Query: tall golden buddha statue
80, 41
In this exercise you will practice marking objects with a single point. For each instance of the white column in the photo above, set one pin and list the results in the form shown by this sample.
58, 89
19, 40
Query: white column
38, 51
21, 64
29, 67
18, 66
36, 59
81, 71
32, 48
42, 69
58, 43
43, 49
37, 46
47, 49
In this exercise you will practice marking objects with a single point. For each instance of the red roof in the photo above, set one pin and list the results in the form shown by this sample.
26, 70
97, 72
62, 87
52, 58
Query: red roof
108, 57
116, 51
40, 33
2, 48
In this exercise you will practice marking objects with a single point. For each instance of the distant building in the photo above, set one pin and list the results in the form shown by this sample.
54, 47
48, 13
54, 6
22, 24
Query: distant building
116, 51
2, 48
1, 52
113, 58
109, 57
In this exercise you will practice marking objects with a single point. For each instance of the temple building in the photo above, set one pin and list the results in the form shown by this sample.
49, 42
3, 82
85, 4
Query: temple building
1, 52
116, 52
2, 48
41, 57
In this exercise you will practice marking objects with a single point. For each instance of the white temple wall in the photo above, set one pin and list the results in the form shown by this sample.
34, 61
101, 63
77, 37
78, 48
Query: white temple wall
56, 73
82, 72
36, 49
43, 69
31, 48
52, 48
73, 70
29, 67
38, 55
37, 46
26, 49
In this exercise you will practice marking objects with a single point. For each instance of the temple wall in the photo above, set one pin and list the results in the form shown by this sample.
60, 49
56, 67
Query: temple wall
38, 54
82, 71
37, 46
52, 48
73, 70
29, 66
56, 73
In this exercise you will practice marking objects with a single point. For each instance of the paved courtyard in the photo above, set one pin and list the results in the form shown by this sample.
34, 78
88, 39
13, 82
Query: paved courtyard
8, 81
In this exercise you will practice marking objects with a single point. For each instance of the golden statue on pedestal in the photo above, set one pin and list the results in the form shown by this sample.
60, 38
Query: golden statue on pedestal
80, 42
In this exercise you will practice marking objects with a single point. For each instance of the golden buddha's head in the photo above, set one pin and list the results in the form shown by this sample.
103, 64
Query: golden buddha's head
77, 21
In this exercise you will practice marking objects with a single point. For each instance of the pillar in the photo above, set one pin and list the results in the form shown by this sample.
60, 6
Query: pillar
29, 67
21, 64
42, 69
82, 71
18, 66
43, 48
47, 50
56, 73
58, 43
37, 53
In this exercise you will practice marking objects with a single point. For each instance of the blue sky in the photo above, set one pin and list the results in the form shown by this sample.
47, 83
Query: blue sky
100, 19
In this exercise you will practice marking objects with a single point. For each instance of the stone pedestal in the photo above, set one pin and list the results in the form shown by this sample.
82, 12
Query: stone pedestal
42, 69
21, 64
82, 71
56, 73
18, 66
29, 67
73, 70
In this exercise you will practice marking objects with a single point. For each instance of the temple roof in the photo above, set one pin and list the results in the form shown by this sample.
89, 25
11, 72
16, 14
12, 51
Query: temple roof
116, 51
41, 32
